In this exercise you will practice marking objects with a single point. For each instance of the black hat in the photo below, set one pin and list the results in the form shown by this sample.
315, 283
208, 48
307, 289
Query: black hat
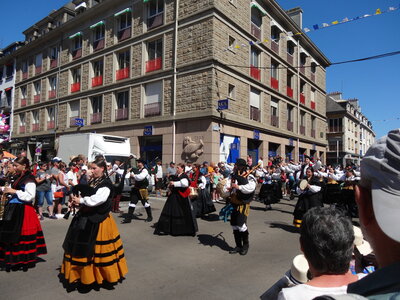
306, 156
240, 162
140, 160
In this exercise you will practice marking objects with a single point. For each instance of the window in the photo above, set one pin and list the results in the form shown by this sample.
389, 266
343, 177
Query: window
24, 70
153, 93
76, 45
98, 69
9, 70
121, 113
76, 80
123, 60
98, 35
97, 107
275, 33
335, 125
35, 117
74, 108
155, 13
255, 100
53, 57
289, 117
52, 87
256, 22
22, 123
290, 47
255, 72
38, 63
289, 82
77, 42
313, 67
23, 92
275, 112
302, 123
99, 32
231, 42
274, 70
51, 117
154, 53
124, 24
8, 97
231, 91
125, 21
36, 88
313, 122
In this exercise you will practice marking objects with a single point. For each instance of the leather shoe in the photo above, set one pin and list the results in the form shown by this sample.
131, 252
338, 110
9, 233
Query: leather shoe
235, 250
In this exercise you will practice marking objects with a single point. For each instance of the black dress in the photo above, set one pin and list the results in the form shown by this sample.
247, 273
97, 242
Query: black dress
177, 215
202, 204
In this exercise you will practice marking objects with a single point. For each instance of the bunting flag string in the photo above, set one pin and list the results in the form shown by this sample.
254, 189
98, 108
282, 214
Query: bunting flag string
315, 27
391, 119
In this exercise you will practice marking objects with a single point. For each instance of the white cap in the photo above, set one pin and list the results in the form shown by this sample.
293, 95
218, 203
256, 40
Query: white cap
380, 172
84, 168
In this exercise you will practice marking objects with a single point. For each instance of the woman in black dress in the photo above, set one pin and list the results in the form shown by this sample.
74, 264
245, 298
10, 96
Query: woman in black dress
176, 217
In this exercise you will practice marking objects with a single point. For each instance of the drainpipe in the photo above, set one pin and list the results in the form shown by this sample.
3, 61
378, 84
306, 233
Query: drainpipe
174, 79
298, 100
56, 113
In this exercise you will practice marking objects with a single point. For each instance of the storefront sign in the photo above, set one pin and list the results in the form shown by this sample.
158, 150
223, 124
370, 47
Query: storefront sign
148, 130
256, 134
223, 104
79, 122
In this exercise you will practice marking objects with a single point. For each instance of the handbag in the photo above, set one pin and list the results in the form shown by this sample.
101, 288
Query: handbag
58, 194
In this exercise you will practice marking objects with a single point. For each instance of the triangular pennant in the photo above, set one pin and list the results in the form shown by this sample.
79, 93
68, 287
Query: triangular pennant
378, 11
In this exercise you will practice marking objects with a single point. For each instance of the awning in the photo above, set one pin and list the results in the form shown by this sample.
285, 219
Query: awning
7, 154
256, 5
79, 33
83, 4
8, 89
101, 23
274, 23
124, 11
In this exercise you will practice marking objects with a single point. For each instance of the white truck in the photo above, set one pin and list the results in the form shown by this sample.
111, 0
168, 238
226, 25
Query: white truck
93, 144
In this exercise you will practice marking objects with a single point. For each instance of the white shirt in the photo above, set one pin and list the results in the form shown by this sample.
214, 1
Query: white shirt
29, 194
72, 176
159, 171
100, 197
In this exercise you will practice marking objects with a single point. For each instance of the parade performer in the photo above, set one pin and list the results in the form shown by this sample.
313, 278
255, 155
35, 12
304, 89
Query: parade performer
202, 204
270, 192
242, 188
308, 196
93, 248
177, 217
139, 192
21, 236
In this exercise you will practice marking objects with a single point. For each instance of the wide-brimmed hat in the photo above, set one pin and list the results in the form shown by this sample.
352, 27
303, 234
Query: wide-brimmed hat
240, 162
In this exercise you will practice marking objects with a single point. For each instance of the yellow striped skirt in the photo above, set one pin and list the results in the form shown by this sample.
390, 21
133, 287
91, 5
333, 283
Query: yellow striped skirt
107, 264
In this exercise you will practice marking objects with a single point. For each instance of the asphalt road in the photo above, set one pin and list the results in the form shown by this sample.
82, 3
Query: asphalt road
166, 267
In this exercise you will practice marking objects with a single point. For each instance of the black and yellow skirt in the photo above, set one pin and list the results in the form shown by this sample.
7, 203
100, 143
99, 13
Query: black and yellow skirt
108, 263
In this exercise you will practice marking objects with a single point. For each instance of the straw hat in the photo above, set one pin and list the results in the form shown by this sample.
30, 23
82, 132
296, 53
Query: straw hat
299, 269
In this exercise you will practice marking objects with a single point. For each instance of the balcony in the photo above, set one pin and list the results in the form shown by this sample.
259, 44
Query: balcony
22, 129
313, 133
152, 109
302, 130
154, 64
75, 87
121, 114
155, 21
23, 102
290, 125
256, 31
38, 70
312, 104
77, 53
98, 80
255, 72
122, 73
303, 70
95, 118
98, 45
302, 99
53, 63
275, 47
274, 83
313, 77
274, 121
124, 34
36, 98
51, 124
255, 113
289, 92
52, 94
24, 75
290, 59
35, 127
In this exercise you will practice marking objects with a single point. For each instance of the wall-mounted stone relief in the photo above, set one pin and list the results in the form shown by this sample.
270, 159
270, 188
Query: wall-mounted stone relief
191, 150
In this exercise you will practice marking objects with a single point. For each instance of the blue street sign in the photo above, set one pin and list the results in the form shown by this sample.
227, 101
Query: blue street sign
256, 134
223, 104
148, 130
290, 142
79, 122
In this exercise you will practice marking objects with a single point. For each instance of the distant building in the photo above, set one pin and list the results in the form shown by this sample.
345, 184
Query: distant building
349, 134
154, 71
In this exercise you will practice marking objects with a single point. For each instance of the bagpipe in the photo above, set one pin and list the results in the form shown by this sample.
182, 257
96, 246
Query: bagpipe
4, 198
79, 190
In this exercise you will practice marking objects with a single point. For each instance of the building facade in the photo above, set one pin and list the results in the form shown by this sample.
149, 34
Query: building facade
350, 134
156, 70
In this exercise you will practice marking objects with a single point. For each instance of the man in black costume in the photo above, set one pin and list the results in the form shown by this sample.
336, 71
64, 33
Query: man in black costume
243, 188
139, 192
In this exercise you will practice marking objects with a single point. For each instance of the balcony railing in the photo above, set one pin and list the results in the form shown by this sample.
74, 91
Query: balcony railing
256, 31
121, 113
312, 104
98, 45
274, 121
274, 83
23, 102
98, 80
255, 72
53, 63
289, 92
302, 99
152, 109
38, 70
302, 130
122, 73
24, 75
35, 127
52, 94
155, 21
313, 77
275, 46
254, 113
36, 98
290, 125
290, 59
303, 70
313, 133
75, 87
22, 129
77, 53
335, 129
154, 64
51, 124
124, 34
95, 118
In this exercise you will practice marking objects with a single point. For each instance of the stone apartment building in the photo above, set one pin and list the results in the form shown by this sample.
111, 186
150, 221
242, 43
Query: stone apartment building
350, 133
155, 70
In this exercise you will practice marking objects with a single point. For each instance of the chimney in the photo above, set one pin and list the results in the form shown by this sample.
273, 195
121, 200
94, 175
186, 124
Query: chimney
296, 14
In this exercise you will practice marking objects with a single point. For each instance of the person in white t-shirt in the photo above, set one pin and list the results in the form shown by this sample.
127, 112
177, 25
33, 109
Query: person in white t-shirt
159, 178
326, 238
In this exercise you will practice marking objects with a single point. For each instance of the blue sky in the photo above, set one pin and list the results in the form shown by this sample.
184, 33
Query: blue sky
375, 83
